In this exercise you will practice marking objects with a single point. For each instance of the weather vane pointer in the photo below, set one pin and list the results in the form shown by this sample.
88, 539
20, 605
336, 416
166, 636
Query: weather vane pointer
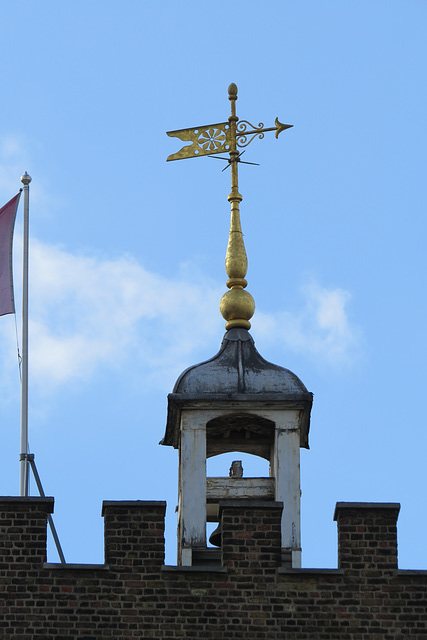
221, 137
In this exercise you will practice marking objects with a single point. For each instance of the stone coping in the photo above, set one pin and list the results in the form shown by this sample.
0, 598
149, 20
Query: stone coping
69, 566
45, 503
298, 571
105, 567
408, 573
280, 570
203, 568
133, 504
363, 506
251, 504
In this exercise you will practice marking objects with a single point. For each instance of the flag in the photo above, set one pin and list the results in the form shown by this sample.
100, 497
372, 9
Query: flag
7, 223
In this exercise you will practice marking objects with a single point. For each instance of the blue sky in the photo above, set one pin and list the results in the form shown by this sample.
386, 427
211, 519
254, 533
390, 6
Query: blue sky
127, 251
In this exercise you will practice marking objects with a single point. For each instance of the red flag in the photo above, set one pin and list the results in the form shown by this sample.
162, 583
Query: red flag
7, 222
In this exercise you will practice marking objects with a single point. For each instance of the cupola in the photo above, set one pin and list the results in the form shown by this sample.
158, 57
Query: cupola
236, 401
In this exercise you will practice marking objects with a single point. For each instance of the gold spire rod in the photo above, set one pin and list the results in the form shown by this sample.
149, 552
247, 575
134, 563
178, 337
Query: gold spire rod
237, 306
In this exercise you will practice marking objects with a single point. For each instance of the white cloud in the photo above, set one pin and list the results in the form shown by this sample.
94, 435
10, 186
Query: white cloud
321, 328
88, 313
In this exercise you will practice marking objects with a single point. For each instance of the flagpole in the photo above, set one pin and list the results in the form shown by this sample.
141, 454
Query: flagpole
23, 485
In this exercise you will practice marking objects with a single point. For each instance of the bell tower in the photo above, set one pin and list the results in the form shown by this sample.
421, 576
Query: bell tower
236, 401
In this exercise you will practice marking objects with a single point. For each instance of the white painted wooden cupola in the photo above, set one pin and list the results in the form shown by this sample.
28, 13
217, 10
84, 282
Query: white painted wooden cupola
237, 401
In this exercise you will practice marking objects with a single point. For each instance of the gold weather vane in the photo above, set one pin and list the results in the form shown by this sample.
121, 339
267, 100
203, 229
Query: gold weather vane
237, 305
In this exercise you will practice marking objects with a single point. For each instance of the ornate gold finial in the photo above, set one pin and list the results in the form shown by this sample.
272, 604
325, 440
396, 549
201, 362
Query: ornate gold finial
237, 306
232, 91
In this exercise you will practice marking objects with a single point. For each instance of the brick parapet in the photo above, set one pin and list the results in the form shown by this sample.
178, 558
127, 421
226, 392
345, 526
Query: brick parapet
133, 596
134, 534
367, 536
251, 535
23, 531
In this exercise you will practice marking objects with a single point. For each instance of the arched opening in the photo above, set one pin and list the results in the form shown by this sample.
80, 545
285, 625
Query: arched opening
237, 437
245, 432
253, 466
219, 466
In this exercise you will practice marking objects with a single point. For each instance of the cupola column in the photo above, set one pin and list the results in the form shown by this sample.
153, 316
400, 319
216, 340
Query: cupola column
192, 486
285, 467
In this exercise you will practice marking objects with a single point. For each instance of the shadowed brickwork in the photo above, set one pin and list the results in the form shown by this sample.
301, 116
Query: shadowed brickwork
248, 595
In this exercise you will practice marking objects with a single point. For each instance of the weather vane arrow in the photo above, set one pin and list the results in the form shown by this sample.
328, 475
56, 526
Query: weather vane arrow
221, 137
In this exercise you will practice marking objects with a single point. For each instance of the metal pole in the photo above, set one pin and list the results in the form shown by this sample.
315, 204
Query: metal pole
23, 485
32, 462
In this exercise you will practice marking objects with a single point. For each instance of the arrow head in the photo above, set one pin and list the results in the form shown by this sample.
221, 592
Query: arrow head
281, 127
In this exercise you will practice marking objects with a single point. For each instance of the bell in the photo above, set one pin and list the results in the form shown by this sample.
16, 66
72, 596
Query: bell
215, 537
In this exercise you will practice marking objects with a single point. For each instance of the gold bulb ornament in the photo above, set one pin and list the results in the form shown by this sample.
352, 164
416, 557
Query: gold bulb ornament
237, 306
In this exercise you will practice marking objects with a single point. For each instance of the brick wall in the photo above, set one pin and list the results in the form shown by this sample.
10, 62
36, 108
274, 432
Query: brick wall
248, 595
367, 537
251, 537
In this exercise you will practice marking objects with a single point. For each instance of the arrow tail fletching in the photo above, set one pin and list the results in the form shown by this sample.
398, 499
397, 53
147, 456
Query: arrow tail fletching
206, 140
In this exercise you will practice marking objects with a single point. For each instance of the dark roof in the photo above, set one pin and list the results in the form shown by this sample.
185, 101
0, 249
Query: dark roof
237, 372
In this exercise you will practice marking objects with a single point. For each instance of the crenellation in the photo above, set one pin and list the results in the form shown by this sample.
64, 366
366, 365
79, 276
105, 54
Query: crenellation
367, 538
134, 533
133, 595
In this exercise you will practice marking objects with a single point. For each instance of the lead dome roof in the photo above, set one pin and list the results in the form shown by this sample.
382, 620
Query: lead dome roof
237, 372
